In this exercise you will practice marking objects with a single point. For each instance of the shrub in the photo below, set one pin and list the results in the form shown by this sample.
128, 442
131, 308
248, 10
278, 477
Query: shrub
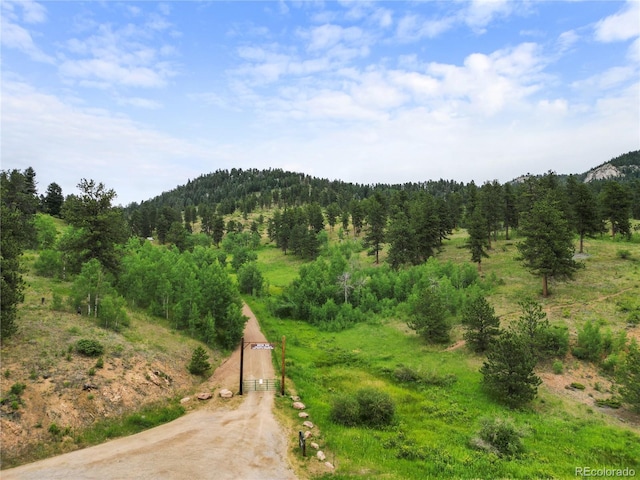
54, 429
589, 346
610, 363
17, 388
376, 407
89, 348
345, 411
558, 367
370, 408
554, 341
500, 435
199, 364
611, 402
623, 254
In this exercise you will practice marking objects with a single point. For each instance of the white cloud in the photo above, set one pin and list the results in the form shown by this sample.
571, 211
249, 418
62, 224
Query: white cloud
64, 143
480, 13
16, 37
117, 57
140, 103
413, 27
33, 12
567, 40
610, 78
621, 26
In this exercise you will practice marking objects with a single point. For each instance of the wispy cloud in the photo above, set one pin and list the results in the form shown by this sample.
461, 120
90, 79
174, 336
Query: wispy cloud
623, 25
127, 55
20, 38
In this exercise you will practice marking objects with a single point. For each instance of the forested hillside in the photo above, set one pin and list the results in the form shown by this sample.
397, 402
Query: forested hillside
481, 270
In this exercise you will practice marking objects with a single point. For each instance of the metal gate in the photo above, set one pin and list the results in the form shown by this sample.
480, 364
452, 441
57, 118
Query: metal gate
261, 385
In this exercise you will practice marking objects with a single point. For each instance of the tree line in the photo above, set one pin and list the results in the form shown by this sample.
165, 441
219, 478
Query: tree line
108, 268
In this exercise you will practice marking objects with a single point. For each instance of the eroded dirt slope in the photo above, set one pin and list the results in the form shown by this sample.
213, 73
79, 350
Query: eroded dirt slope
238, 439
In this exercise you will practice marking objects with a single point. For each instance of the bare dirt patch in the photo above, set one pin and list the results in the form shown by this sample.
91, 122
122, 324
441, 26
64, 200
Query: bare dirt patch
237, 439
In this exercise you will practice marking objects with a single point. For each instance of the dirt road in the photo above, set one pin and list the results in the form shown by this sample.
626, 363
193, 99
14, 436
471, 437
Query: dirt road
212, 442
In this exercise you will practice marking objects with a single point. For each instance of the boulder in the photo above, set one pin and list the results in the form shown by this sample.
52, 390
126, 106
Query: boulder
299, 405
303, 415
226, 393
295, 398
308, 434
185, 400
321, 456
315, 445
204, 396
307, 424
329, 465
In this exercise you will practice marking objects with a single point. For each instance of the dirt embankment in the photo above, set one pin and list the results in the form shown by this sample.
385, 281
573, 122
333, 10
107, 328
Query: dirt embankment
236, 439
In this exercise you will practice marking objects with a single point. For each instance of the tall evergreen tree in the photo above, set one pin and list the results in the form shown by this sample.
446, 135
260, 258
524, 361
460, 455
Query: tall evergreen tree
491, 204
53, 200
376, 223
510, 219
548, 247
584, 215
401, 240
477, 243
101, 225
615, 202
18, 204
481, 324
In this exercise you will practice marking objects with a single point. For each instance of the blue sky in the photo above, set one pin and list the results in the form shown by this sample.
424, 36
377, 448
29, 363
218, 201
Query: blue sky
143, 96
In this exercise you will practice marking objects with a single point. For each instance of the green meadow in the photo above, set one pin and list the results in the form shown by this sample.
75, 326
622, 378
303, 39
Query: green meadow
438, 419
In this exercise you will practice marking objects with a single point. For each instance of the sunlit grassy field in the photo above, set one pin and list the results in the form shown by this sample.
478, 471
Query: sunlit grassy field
435, 424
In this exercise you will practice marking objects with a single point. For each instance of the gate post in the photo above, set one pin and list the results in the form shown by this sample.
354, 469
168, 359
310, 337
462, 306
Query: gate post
282, 382
241, 362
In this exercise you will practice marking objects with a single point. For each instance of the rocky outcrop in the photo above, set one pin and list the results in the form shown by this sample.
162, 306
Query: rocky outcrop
603, 172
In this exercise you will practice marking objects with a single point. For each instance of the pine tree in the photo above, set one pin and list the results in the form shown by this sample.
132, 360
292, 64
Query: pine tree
481, 324
583, 208
508, 373
629, 377
548, 247
401, 238
428, 317
376, 222
199, 364
477, 242
53, 200
615, 202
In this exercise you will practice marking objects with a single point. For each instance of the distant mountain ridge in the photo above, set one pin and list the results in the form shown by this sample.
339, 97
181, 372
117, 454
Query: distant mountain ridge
246, 189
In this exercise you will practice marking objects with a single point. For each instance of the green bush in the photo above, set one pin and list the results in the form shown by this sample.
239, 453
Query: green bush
590, 343
501, 436
369, 408
17, 388
553, 341
345, 411
89, 348
558, 367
